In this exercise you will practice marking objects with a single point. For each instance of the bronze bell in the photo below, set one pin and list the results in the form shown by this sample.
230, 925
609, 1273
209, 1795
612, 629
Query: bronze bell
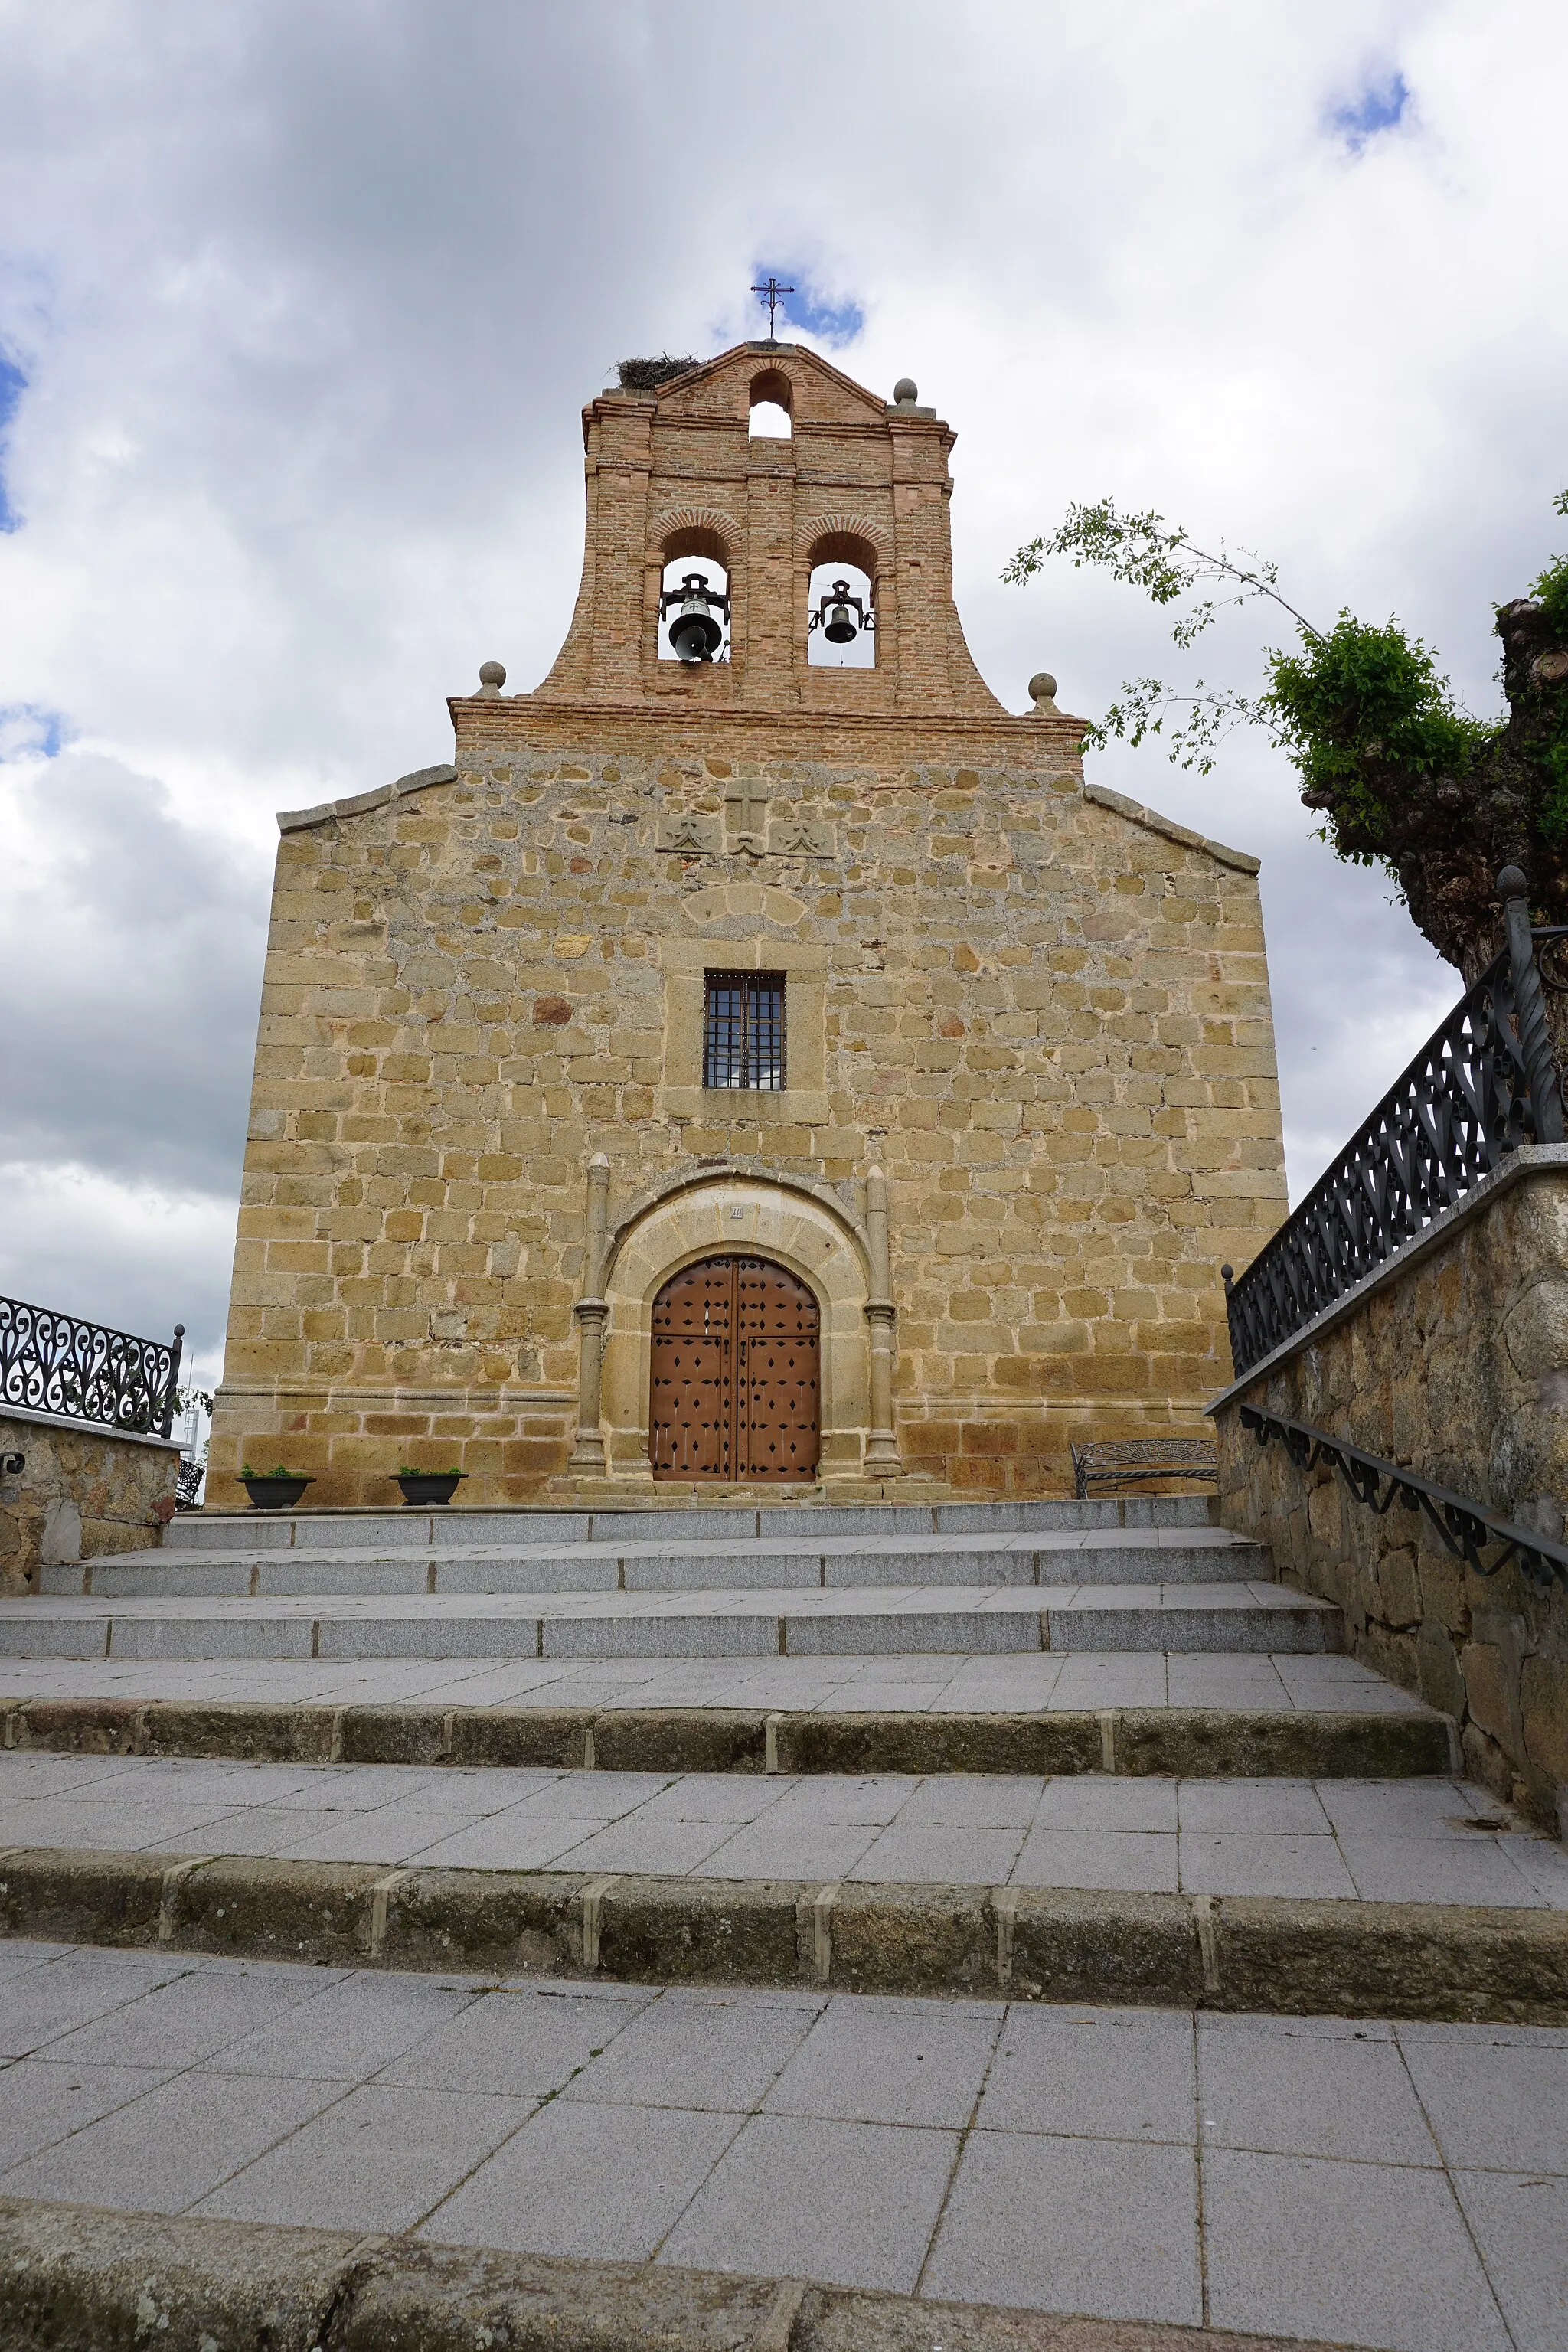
839, 625
695, 634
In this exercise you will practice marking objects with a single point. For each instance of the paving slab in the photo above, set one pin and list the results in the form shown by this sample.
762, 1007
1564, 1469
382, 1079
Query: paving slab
1116, 2075
1081, 2225
423, 2143
170, 2146
1265, 2085
792, 2196
704, 2050
891, 2062
1520, 2224
606, 2182
1366, 2254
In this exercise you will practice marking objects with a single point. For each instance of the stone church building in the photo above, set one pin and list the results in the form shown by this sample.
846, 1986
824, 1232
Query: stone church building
775, 1067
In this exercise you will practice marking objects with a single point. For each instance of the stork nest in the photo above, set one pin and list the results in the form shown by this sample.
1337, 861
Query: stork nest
647, 375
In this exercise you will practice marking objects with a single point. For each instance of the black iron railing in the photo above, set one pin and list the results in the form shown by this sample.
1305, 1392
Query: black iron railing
1483, 1084
1465, 1528
57, 1364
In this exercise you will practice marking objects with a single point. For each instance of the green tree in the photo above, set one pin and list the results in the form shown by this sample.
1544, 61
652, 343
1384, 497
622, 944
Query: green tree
1401, 775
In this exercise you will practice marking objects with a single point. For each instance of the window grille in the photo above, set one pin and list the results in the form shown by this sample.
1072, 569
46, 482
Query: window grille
743, 1030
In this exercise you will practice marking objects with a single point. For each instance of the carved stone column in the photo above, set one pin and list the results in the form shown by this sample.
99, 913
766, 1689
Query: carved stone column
592, 1311
882, 1456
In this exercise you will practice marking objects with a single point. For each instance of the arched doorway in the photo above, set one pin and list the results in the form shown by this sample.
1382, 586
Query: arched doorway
736, 1381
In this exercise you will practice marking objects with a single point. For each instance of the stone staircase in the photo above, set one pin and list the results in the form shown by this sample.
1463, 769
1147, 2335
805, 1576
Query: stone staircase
869, 1580
1055, 1750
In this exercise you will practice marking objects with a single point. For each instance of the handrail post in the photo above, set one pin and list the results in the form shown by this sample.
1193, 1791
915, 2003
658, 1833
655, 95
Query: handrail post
1529, 1008
1227, 1275
172, 1390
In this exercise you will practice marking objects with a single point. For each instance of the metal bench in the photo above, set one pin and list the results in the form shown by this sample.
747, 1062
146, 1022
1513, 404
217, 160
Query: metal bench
1129, 1462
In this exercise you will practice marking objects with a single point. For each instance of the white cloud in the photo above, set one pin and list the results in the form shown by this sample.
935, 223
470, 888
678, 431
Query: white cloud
136, 1257
308, 300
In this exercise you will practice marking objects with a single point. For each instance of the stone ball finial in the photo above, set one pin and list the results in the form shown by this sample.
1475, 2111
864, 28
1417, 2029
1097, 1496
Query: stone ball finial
1043, 691
1511, 884
906, 392
492, 677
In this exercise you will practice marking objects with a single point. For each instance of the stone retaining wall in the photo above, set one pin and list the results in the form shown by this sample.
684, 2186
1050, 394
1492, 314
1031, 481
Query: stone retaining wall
1452, 1359
80, 1492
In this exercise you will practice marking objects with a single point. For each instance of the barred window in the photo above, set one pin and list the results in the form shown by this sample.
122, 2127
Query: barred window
743, 1030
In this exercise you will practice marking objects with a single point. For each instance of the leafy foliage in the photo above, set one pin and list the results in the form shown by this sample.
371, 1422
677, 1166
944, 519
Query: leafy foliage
1550, 591
1402, 775
1357, 709
1143, 551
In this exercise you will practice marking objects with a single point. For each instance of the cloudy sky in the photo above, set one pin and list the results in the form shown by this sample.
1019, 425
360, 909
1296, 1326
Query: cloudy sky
299, 303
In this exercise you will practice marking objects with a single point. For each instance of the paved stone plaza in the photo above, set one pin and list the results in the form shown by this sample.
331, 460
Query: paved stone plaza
675, 1912
1323, 2178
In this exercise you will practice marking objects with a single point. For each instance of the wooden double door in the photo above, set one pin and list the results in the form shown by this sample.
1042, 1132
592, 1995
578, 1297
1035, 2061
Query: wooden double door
736, 1379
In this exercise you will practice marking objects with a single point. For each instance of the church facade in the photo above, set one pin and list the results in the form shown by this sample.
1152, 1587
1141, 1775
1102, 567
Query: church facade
746, 1072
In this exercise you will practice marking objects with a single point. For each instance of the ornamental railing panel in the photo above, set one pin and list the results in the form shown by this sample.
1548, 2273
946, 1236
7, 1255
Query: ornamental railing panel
84, 1372
1483, 1084
1465, 1528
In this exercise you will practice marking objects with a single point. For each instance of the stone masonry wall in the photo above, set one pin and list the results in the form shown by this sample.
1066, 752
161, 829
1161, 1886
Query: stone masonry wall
1454, 1361
82, 1492
1043, 1012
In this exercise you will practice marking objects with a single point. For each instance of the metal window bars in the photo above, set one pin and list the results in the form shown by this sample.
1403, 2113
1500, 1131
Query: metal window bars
743, 1031
83, 1371
1483, 1084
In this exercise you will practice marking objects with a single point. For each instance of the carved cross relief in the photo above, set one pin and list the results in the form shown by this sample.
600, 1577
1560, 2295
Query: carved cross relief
746, 812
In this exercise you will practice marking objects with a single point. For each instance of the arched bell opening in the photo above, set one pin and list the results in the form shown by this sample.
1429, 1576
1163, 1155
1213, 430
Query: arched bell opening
694, 598
735, 1374
841, 603
771, 411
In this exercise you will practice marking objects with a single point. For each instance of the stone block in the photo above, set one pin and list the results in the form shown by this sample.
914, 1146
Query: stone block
1543, 1711
80, 1494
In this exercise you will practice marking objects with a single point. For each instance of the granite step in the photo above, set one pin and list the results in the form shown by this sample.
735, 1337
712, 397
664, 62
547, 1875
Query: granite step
770, 1562
1249, 1616
251, 1530
1329, 1730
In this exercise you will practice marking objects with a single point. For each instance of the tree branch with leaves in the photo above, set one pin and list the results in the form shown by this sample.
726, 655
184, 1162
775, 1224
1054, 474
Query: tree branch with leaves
1403, 777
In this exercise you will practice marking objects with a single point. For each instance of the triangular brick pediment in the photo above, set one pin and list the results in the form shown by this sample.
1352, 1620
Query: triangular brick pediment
725, 385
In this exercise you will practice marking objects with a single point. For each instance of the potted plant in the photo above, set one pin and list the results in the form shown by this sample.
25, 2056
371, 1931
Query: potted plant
278, 1489
425, 1486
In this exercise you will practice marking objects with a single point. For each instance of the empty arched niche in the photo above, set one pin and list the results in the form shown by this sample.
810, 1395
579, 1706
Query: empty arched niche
841, 631
772, 406
694, 598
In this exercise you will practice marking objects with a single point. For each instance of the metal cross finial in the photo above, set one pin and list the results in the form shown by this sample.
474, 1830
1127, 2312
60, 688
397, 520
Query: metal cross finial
770, 293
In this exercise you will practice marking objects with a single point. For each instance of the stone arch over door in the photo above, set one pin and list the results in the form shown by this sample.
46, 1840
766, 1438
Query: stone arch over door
808, 1232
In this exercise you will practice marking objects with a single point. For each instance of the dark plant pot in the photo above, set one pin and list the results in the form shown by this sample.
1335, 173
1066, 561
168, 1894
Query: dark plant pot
425, 1487
275, 1494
